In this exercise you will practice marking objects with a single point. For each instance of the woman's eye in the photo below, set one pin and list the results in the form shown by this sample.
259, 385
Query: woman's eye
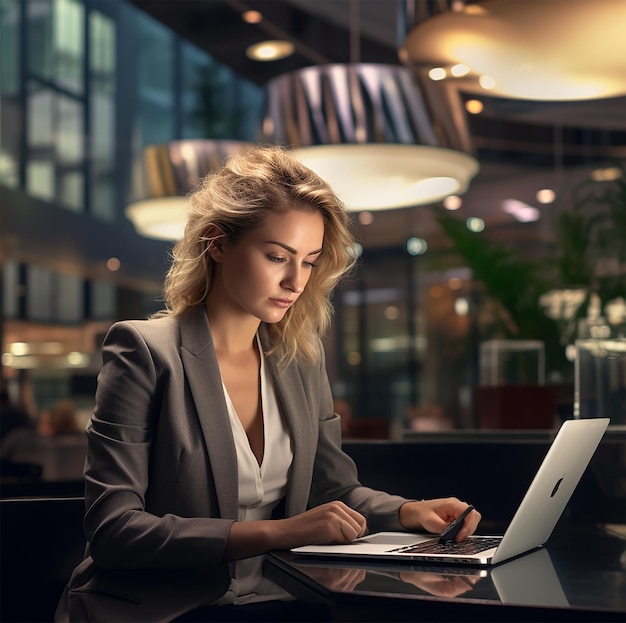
274, 258
310, 265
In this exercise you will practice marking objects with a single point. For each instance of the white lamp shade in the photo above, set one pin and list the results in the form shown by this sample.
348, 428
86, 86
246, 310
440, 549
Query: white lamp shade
386, 176
559, 50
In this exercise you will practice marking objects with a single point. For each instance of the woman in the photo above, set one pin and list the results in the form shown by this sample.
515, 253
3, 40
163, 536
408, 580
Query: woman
213, 439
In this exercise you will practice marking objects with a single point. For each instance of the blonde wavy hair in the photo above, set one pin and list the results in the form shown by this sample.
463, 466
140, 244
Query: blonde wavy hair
235, 199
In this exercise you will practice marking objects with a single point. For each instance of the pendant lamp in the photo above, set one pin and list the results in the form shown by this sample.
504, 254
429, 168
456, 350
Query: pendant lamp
548, 50
165, 174
365, 128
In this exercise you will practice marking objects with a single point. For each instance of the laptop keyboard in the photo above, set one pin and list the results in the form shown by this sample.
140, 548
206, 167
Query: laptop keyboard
434, 546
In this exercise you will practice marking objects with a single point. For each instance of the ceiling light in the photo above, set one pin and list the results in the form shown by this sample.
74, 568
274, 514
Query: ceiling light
535, 49
521, 211
545, 196
113, 264
392, 312
487, 82
453, 202
461, 306
76, 359
459, 70
366, 130
474, 107
19, 349
274, 50
608, 174
437, 73
164, 175
416, 246
475, 224
251, 16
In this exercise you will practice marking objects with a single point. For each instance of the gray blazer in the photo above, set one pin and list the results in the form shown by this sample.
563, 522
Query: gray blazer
161, 469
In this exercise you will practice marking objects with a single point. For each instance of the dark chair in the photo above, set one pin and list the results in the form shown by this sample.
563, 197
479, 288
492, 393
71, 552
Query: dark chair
16, 471
22, 488
41, 541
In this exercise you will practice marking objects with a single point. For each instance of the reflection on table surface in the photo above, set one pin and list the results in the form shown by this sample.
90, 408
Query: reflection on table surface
578, 578
531, 579
575, 572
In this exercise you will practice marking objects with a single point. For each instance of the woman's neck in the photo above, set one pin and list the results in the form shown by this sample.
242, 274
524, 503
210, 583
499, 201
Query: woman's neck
232, 334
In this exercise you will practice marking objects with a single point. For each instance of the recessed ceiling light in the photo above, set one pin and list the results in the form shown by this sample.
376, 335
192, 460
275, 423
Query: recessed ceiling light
437, 73
487, 82
271, 50
474, 107
252, 17
459, 70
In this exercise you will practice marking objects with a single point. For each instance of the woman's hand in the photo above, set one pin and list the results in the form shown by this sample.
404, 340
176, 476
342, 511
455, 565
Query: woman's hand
435, 515
333, 522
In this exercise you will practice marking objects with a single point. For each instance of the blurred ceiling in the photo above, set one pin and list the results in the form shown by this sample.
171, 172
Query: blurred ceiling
522, 145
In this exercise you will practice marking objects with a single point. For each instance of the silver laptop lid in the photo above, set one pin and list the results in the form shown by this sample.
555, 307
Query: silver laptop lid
552, 487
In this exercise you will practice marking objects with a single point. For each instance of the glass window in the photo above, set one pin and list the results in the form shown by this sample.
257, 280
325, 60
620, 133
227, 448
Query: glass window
102, 35
40, 179
10, 289
215, 102
71, 189
9, 46
250, 121
70, 152
69, 19
39, 294
55, 143
103, 302
155, 66
68, 130
69, 299
56, 40
196, 65
40, 116
40, 38
10, 107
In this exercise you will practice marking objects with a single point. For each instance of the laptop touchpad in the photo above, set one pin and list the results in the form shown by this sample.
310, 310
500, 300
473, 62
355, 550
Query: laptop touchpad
391, 539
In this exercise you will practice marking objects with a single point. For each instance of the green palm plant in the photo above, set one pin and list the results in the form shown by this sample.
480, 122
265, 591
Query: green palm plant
588, 251
511, 283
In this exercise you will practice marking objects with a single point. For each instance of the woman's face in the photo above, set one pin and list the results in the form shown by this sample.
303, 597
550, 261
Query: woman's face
265, 271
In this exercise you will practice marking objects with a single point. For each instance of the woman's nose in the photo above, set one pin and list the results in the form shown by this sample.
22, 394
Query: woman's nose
295, 280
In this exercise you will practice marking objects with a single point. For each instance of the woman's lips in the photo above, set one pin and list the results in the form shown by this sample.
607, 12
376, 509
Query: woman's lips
282, 303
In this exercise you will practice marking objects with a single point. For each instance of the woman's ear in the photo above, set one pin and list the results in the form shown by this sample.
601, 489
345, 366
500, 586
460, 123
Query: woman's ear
215, 237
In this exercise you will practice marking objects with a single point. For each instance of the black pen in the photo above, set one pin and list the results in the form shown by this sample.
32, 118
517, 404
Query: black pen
452, 529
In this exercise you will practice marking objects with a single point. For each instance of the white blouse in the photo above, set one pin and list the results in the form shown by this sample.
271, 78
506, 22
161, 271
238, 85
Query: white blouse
261, 487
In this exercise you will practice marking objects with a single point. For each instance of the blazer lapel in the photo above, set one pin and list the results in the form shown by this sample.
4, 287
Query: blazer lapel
292, 398
203, 374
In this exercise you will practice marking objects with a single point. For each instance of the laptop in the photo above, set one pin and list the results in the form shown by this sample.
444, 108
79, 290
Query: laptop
531, 526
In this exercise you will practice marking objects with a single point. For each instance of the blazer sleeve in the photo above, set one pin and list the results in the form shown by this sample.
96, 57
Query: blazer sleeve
121, 530
335, 474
